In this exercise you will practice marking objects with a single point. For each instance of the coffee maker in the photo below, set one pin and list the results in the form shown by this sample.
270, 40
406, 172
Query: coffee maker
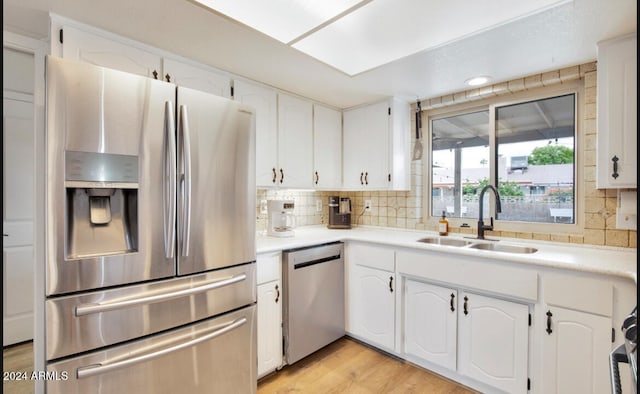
281, 220
339, 212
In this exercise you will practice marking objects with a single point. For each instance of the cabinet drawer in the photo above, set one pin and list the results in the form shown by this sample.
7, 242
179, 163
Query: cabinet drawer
269, 267
579, 293
371, 256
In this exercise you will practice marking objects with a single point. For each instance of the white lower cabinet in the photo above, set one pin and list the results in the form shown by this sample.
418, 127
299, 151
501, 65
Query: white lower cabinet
269, 278
480, 337
371, 295
430, 323
576, 346
493, 341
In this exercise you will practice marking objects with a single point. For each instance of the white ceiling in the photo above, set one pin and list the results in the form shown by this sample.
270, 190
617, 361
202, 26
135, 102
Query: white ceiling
556, 37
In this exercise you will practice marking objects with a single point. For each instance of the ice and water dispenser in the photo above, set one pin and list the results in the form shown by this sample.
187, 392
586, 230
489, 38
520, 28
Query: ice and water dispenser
101, 212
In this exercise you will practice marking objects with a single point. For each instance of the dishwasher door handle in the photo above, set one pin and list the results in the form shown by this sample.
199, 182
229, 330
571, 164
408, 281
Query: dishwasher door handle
316, 261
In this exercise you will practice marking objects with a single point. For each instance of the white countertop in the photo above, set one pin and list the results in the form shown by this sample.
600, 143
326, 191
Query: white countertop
620, 262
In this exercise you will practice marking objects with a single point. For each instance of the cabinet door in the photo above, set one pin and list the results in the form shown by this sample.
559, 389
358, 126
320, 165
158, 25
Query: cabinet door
617, 114
327, 148
493, 341
295, 142
101, 51
265, 103
377, 145
269, 327
199, 78
430, 323
353, 142
366, 147
576, 352
372, 305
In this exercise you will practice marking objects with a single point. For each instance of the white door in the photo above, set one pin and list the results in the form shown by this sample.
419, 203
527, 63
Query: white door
373, 307
353, 143
17, 218
327, 148
295, 142
493, 341
265, 103
576, 352
376, 135
269, 327
430, 317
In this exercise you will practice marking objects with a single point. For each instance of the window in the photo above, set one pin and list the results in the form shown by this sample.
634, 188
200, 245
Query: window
525, 149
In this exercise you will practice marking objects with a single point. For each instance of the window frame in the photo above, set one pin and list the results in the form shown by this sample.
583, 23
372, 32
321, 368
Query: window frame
512, 227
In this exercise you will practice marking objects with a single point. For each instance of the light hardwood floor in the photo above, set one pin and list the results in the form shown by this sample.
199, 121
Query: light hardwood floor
345, 366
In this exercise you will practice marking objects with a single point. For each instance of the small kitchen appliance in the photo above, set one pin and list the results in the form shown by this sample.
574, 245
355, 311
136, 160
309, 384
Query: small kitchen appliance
281, 221
339, 212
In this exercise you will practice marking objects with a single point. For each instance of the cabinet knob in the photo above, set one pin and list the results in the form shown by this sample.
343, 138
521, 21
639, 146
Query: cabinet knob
391, 284
277, 294
366, 178
549, 315
273, 175
361, 175
453, 296
281, 176
155, 74
167, 77
464, 306
317, 177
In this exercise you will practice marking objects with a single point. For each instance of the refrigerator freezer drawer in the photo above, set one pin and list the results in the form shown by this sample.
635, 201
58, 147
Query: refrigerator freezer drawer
214, 356
88, 321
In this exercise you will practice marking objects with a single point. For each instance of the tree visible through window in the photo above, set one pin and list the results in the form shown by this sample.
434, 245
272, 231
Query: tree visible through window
533, 164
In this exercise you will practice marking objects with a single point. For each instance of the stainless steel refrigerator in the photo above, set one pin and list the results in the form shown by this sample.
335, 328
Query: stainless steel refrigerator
150, 236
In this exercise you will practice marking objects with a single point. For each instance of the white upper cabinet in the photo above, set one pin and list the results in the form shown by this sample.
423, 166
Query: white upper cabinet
197, 77
376, 146
264, 101
295, 142
617, 96
106, 52
327, 148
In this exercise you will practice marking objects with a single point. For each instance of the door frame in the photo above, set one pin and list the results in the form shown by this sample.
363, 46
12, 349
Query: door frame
39, 49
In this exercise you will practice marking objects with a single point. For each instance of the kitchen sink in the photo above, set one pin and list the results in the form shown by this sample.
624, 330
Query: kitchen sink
444, 241
494, 247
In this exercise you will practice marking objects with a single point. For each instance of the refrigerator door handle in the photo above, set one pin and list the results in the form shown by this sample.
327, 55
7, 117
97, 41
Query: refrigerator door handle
186, 180
87, 309
169, 185
96, 369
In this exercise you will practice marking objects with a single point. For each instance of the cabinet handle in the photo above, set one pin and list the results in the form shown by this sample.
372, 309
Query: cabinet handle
466, 311
167, 77
549, 330
281, 176
274, 175
391, 284
317, 177
361, 175
453, 309
155, 74
277, 294
366, 178
615, 174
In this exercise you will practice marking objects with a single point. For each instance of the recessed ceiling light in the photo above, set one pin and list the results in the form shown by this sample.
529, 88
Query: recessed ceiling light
475, 81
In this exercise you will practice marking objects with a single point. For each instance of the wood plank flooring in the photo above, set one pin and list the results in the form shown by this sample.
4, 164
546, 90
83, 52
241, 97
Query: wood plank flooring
345, 366
18, 358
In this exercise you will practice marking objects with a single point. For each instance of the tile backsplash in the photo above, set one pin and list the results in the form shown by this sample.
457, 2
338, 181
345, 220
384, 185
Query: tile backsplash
404, 209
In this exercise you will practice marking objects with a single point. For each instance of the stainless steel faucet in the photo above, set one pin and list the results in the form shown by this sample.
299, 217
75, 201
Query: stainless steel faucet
481, 226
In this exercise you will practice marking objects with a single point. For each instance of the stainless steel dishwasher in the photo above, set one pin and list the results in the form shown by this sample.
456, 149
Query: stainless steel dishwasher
313, 307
